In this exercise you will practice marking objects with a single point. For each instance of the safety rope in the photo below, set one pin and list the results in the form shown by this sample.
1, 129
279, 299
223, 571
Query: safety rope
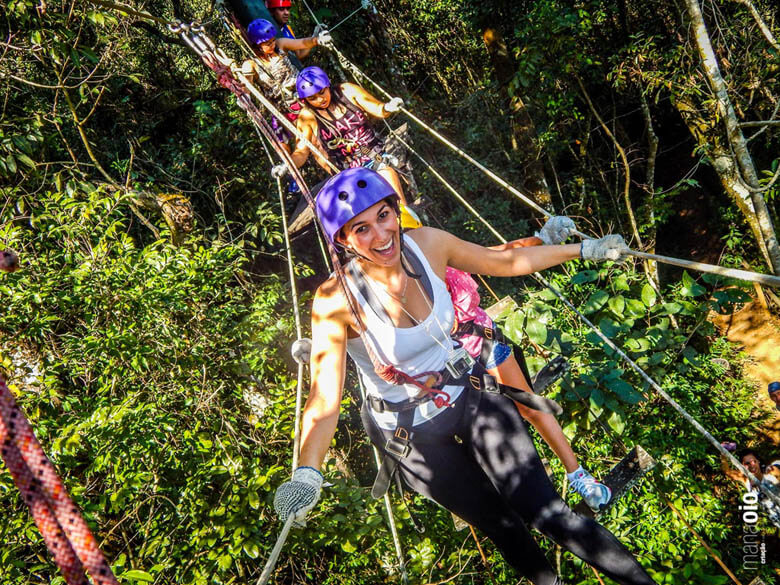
59, 520
298, 330
277, 550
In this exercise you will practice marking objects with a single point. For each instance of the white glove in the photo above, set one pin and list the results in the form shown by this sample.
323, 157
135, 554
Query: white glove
557, 229
394, 105
279, 171
611, 247
298, 496
318, 29
301, 350
324, 39
389, 159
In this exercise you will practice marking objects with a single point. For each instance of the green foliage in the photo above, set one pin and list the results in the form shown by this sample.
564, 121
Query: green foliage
155, 375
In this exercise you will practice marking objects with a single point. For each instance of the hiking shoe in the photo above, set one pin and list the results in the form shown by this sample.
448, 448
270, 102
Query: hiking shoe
595, 494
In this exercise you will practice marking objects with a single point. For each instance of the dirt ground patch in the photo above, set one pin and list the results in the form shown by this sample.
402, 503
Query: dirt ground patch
758, 332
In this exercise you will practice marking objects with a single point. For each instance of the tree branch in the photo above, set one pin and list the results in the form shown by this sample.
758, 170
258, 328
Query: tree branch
760, 22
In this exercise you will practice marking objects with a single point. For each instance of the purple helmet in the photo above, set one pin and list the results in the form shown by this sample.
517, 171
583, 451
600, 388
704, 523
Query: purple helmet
348, 194
311, 80
259, 31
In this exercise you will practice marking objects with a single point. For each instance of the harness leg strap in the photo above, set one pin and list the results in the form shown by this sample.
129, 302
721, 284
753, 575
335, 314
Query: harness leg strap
396, 448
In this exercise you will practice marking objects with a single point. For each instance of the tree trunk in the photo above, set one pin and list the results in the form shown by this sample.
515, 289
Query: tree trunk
753, 202
703, 130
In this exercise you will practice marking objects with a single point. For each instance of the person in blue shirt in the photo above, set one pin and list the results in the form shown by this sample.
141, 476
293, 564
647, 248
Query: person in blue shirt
280, 11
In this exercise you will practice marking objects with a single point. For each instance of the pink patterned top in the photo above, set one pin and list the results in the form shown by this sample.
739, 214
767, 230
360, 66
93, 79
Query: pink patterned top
465, 299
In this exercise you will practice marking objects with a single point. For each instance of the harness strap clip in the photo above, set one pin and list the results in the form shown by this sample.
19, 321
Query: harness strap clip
398, 448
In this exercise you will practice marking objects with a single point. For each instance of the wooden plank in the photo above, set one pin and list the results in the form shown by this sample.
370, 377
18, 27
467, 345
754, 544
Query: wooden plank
622, 478
460, 523
496, 309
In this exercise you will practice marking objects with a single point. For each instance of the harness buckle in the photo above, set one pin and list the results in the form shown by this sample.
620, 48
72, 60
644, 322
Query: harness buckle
488, 333
397, 447
490, 385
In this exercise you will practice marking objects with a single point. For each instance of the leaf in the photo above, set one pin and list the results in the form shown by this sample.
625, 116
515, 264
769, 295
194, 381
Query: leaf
616, 422
609, 327
348, 547
635, 308
584, 276
690, 287
597, 300
648, 295
537, 332
617, 304
621, 282
251, 550
624, 391
138, 575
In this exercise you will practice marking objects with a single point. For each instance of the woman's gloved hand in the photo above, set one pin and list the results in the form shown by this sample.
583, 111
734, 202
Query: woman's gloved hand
611, 247
279, 171
301, 350
557, 229
298, 496
394, 105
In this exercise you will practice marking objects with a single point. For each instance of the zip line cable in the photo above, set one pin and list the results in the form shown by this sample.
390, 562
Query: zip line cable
298, 331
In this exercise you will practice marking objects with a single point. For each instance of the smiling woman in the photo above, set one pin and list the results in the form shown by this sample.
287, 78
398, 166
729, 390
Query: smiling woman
393, 316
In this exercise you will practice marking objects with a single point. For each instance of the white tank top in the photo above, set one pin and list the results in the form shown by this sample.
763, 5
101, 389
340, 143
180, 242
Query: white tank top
413, 350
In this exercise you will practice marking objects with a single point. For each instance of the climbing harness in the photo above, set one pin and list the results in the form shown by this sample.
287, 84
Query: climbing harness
66, 534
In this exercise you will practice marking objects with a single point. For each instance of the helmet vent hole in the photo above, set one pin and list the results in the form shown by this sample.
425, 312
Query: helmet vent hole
343, 196
362, 184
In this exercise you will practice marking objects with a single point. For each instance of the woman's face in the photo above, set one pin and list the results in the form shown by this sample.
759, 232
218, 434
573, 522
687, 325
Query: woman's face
320, 100
268, 47
752, 464
374, 234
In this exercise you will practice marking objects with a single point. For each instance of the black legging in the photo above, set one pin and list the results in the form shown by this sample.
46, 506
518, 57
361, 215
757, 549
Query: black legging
492, 477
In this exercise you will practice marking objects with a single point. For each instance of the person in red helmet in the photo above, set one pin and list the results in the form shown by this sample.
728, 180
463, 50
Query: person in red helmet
280, 11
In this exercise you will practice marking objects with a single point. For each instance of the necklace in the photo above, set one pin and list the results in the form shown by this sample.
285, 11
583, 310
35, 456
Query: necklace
402, 298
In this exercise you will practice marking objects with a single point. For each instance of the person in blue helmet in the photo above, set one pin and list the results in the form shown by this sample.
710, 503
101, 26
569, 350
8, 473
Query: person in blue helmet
338, 118
774, 393
272, 69
466, 449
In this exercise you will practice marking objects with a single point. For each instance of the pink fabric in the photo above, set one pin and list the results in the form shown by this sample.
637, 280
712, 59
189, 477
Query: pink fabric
465, 299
